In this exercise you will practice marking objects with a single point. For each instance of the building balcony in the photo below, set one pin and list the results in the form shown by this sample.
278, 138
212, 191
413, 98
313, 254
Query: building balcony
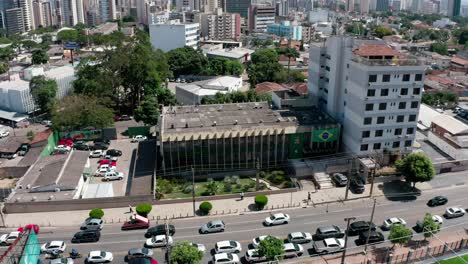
407, 61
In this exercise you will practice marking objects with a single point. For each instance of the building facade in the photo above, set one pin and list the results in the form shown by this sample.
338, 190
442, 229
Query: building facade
174, 35
382, 5
285, 29
238, 6
220, 26
15, 21
260, 16
454, 7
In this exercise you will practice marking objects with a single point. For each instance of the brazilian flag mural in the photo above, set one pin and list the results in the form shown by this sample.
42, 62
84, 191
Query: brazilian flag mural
31, 250
326, 135
296, 146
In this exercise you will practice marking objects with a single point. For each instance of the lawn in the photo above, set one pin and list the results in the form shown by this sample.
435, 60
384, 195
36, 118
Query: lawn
455, 260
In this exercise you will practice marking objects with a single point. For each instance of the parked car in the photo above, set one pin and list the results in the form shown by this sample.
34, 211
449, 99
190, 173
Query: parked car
329, 245
198, 246
63, 148
114, 152
373, 236
4, 133
212, 227
136, 222
86, 236
92, 223
419, 224
138, 138
100, 145
99, 257
228, 246
139, 253
102, 140
339, 179
277, 219
142, 261
438, 200
8, 239
292, 250
256, 241
102, 170
82, 147
96, 154
360, 226
158, 241
160, 230
325, 232
55, 245
453, 212
125, 118
388, 223
47, 123
62, 261
23, 150
227, 258
356, 185
253, 256
299, 237
113, 175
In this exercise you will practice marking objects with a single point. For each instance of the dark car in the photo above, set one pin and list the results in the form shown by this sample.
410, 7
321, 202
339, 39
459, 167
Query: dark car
325, 232
356, 185
86, 236
339, 179
81, 147
114, 152
374, 237
102, 140
159, 230
438, 200
100, 145
358, 227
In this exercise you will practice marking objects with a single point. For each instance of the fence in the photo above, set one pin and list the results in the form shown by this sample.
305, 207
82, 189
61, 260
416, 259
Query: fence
52, 142
82, 134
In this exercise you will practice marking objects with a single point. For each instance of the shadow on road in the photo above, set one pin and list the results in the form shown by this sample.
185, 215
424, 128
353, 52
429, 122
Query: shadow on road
399, 191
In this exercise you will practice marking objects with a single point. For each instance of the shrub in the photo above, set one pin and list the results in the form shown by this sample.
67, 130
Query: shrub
144, 209
235, 179
187, 189
227, 187
165, 186
277, 179
96, 213
262, 186
227, 179
238, 186
261, 200
245, 188
252, 184
205, 207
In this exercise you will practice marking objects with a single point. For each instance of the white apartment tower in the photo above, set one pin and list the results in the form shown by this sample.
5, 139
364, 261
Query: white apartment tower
173, 35
69, 12
373, 90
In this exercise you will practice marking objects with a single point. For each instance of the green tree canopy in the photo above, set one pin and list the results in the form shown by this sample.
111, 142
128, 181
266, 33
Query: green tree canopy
29, 44
68, 35
439, 47
236, 97
399, 235
356, 28
266, 68
290, 53
186, 60
416, 167
147, 111
43, 91
184, 253
39, 57
3, 67
381, 32
271, 247
440, 99
429, 226
223, 66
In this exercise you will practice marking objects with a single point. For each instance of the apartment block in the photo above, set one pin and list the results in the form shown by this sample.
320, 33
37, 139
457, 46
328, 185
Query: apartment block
373, 90
260, 16
220, 26
174, 34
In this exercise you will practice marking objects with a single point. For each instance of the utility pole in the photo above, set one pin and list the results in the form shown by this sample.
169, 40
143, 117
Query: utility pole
168, 248
370, 226
193, 190
372, 179
257, 176
350, 171
348, 219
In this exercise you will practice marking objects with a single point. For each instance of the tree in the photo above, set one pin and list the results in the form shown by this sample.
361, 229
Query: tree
69, 35
429, 226
463, 38
43, 91
400, 234
29, 44
129, 19
271, 247
39, 57
440, 99
185, 253
96, 213
265, 67
290, 53
186, 60
147, 111
205, 207
439, 47
3, 67
416, 167
356, 28
144, 209
260, 201
380, 31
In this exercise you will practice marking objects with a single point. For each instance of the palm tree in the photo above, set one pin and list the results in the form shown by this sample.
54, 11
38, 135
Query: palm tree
290, 53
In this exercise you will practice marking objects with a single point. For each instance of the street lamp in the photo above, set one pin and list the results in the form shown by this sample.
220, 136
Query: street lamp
347, 219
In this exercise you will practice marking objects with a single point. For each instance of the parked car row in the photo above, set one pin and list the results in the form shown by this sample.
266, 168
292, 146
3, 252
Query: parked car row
356, 184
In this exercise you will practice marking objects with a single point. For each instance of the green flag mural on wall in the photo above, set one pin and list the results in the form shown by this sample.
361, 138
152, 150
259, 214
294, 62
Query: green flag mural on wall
326, 135
296, 146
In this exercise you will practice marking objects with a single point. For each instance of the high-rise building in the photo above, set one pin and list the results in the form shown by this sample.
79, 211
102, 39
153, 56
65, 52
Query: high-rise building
364, 6
69, 12
373, 90
454, 7
350, 5
26, 7
47, 14
15, 21
220, 26
282, 8
4, 5
396, 5
80, 13
107, 10
238, 6
260, 16
142, 12
382, 5
38, 13
173, 35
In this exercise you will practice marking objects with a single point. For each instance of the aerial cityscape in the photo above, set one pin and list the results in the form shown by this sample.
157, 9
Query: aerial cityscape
233, 131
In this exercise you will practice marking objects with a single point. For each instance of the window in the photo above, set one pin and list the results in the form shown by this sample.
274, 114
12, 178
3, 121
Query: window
398, 131
383, 106
364, 147
408, 143
376, 145
380, 119
402, 105
406, 77
327, 68
414, 104
410, 130
400, 119
372, 78
416, 91
418, 77
386, 78
378, 133
369, 107
367, 120
396, 144
404, 91
365, 134
371, 92
384, 92
412, 118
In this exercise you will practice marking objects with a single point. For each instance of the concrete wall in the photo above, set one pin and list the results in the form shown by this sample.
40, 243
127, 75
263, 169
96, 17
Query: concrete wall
456, 153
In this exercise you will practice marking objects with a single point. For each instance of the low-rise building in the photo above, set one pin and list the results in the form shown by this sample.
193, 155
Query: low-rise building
193, 93
104, 29
450, 135
285, 29
173, 35
240, 54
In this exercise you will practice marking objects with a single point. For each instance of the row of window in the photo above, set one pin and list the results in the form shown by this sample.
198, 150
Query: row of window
383, 106
381, 119
379, 133
384, 92
395, 144
386, 77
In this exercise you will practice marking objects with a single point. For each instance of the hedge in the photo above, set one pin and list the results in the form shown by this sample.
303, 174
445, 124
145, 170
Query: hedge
144, 209
206, 207
261, 200
96, 213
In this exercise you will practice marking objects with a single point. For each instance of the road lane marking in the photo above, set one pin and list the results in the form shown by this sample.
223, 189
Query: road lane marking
343, 210
397, 210
316, 222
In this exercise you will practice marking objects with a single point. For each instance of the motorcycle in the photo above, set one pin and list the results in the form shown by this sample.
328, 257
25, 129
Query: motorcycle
74, 254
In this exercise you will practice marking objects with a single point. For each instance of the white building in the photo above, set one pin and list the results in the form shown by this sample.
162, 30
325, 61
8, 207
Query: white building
220, 25
193, 93
173, 35
371, 89
158, 18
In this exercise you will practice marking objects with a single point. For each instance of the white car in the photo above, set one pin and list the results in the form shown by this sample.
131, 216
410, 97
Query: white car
277, 219
388, 223
138, 138
200, 247
292, 250
299, 237
253, 256
98, 256
62, 261
4, 133
8, 239
438, 219
225, 258
60, 246
328, 245
256, 241
113, 175
101, 171
228, 246
62, 148
158, 241
453, 212
96, 153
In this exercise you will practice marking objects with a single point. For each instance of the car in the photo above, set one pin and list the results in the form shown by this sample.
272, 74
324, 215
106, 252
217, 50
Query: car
79, 143
62, 148
325, 232
139, 253
292, 250
114, 152
438, 219
372, 236
277, 219
102, 170
159, 241
339, 179
438, 200
62, 261
125, 118
388, 223
92, 223
113, 175
98, 256
453, 212
225, 258
419, 228
360, 226
102, 140
136, 222
47, 123
299, 237
256, 241
100, 146
4, 133
138, 138
200, 247
253, 256
82, 147
23, 149
55, 245
212, 227
160, 230
142, 261
8, 239
329, 245
96, 154
228, 246
86, 236
356, 185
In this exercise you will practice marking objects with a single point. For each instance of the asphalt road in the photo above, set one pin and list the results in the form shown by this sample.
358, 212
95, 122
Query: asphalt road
244, 228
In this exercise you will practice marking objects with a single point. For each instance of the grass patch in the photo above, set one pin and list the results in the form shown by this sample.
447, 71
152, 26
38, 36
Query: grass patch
455, 260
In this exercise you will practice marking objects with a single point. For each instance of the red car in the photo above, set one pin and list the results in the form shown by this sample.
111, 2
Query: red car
28, 227
136, 222
66, 142
112, 163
